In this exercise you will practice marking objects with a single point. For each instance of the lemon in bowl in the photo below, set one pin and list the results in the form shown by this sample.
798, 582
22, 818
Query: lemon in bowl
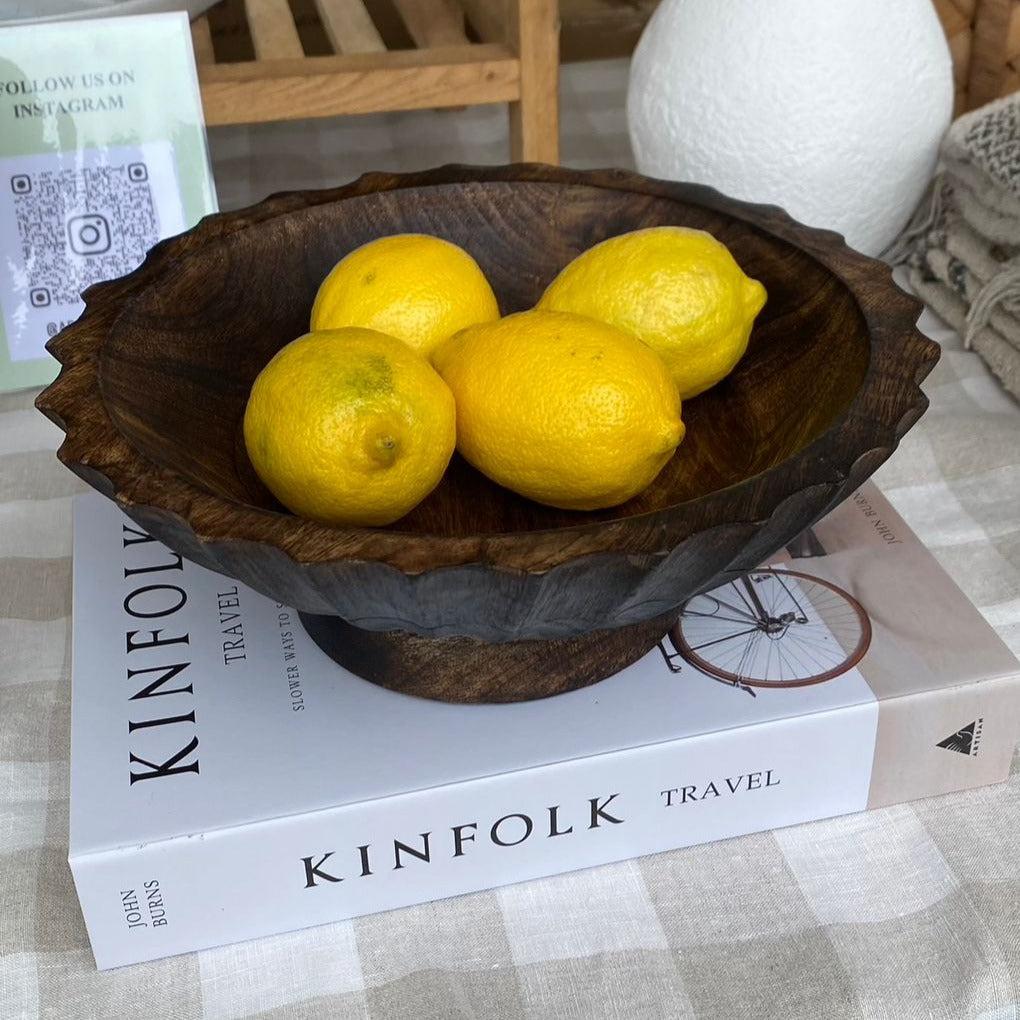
349, 427
566, 410
416, 287
677, 289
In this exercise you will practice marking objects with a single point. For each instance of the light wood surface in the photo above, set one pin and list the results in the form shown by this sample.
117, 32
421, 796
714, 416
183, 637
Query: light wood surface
358, 83
533, 28
273, 32
201, 41
1013, 33
271, 60
349, 27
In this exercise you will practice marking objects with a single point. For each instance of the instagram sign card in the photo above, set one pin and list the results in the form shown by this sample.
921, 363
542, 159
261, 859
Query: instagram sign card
102, 154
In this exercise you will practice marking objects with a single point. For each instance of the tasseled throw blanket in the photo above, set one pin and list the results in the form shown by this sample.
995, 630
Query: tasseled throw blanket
962, 246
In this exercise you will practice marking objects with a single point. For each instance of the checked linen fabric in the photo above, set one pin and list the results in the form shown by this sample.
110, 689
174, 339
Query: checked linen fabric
910, 911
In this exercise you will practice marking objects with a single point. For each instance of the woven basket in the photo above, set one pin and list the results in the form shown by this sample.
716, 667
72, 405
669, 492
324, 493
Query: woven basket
984, 39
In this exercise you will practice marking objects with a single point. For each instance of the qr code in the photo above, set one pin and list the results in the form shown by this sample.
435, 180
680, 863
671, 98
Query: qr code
71, 220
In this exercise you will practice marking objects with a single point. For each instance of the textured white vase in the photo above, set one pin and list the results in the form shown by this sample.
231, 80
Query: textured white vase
832, 109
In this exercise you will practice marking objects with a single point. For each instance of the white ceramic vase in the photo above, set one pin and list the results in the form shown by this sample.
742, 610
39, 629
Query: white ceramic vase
832, 109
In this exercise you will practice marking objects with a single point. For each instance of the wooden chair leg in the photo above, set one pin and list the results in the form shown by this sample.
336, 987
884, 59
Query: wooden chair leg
533, 33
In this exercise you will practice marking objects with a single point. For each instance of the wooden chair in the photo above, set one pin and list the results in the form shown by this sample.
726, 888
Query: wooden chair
984, 39
273, 60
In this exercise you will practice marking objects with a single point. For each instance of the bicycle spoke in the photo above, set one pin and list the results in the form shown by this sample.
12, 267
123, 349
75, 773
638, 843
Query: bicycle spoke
748, 656
736, 609
713, 616
790, 595
784, 661
728, 637
798, 669
815, 662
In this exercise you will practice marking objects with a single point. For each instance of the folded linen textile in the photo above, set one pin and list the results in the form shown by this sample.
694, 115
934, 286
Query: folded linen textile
998, 353
953, 273
962, 244
991, 278
942, 300
981, 157
1001, 357
978, 173
941, 260
984, 260
908, 248
992, 221
982, 151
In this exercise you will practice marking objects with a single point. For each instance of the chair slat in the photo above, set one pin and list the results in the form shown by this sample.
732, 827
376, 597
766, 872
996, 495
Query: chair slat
201, 41
349, 26
273, 32
258, 91
534, 119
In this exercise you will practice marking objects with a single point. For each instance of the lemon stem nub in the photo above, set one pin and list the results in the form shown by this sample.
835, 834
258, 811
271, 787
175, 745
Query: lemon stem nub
383, 450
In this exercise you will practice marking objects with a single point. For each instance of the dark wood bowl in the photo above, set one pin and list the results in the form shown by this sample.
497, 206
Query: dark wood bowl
478, 594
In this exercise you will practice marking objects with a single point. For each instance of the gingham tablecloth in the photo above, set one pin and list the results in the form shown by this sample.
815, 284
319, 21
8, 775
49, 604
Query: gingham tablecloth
912, 911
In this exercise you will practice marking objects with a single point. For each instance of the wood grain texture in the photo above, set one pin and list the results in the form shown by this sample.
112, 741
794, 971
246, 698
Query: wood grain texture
156, 372
465, 669
273, 32
533, 34
275, 60
349, 26
358, 83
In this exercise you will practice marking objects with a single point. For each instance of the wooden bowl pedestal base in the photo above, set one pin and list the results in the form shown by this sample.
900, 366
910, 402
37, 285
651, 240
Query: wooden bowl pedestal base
468, 670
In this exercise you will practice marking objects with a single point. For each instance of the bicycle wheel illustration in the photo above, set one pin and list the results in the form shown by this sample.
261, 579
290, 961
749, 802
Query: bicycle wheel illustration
772, 628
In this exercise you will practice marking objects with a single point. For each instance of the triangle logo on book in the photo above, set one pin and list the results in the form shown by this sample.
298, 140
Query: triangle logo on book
964, 740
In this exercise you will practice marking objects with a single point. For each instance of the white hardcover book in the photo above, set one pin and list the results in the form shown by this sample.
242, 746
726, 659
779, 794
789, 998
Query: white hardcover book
229, 780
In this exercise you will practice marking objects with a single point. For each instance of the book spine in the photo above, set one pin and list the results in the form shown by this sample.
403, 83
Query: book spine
208, 889
954, 738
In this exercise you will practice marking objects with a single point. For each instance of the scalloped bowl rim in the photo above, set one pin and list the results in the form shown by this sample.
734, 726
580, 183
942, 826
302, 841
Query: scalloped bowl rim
829, 249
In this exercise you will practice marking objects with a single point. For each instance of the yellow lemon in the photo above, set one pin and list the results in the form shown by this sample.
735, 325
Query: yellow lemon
349, 427
418, 288
561, 408
679, 290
